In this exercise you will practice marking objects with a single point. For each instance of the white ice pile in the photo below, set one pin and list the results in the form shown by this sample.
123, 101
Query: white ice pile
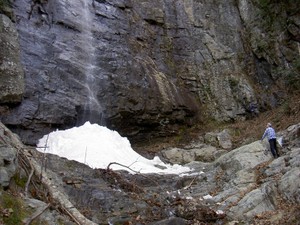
97, 146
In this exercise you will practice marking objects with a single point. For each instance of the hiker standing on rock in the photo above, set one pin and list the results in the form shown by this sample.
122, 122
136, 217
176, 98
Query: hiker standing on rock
270, 133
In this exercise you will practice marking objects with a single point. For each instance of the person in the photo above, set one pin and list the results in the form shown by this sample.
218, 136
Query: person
270, 133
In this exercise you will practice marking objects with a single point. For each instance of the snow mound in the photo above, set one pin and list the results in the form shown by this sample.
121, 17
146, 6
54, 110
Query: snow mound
98, 146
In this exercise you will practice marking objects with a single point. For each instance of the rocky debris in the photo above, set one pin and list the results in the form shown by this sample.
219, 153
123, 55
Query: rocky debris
207, 149
245, 182
259, 185
242, 186
205, 153
190, 209
119, 197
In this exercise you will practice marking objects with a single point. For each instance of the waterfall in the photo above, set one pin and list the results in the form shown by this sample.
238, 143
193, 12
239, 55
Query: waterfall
92, 110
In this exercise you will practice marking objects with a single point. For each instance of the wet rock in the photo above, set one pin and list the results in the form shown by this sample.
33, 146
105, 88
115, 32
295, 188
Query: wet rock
145, 68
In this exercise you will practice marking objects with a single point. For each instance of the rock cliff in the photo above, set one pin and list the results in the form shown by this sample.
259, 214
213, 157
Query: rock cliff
148, 68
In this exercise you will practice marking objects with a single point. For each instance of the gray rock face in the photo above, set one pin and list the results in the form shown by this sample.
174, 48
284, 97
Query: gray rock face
245, 182
11, 70
145, 67
249, 183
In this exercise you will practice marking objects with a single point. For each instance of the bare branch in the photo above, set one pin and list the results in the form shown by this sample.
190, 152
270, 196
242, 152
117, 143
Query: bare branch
120, 165
134, 172
28, 181
190, 184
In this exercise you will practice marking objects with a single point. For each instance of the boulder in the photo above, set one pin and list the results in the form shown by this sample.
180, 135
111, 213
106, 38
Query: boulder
205, 153
8, 157
11, 69
219, 139
289, 185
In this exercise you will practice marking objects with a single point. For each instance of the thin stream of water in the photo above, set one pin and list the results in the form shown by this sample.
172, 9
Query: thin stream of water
92, 110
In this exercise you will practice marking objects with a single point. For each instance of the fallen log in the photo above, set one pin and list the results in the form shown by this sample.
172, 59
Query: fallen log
58, 198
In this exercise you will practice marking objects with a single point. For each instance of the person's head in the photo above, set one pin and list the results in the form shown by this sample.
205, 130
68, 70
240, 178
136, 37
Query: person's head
269, 125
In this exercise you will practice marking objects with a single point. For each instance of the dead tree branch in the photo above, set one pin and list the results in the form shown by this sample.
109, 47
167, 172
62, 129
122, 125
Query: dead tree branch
112, 163
28, 182
116, 163
58, 197
190, 184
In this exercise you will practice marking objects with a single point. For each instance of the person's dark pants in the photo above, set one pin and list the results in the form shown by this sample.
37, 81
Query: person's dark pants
273, 147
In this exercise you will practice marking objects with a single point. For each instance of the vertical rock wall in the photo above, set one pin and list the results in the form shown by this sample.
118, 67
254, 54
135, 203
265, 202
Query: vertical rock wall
145, 68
